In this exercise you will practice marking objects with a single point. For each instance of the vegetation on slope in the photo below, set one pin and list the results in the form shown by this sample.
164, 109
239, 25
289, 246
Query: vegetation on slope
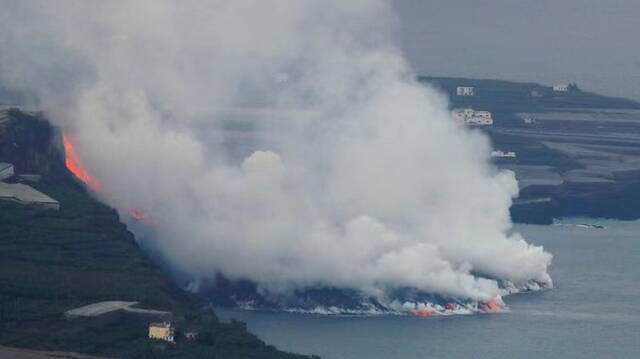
506, 97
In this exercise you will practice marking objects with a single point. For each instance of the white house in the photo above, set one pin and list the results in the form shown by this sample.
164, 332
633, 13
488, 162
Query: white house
503, 154
561, 88
483, 114
464, 91
469, 116
162, 331
481, 121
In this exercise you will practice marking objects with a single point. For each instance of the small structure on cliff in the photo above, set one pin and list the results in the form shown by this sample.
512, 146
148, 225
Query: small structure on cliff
23, 194
162, 331
464, 91
472, 117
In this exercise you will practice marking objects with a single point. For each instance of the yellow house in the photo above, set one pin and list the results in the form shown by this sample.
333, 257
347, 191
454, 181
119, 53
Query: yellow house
162, 331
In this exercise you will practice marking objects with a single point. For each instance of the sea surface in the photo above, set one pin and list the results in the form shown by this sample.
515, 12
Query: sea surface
593, 311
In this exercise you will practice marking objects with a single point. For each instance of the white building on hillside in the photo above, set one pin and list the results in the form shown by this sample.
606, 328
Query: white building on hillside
503, 154
23, 194
479, 121
464, 91
469, 116
162, 331
483, 114
561, 88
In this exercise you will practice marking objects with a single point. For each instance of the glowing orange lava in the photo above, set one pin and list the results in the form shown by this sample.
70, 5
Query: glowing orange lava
492, 306
137, 215
424, 313
75, 166
140, 216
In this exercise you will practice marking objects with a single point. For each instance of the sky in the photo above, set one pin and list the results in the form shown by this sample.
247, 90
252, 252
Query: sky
591, 42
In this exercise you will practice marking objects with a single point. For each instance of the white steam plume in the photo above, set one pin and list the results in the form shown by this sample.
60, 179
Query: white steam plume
284, 142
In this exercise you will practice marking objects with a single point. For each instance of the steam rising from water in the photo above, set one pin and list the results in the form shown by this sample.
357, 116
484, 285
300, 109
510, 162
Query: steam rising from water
284, 142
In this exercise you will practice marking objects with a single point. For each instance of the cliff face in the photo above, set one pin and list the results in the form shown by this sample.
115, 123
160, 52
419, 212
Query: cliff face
30, 144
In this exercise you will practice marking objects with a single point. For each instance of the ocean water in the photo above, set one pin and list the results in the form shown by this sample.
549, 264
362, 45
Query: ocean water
593, 311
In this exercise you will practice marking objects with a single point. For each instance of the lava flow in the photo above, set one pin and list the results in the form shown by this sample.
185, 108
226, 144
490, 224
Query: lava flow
75, 166
138, 215
424, 313
493, 306
81, 173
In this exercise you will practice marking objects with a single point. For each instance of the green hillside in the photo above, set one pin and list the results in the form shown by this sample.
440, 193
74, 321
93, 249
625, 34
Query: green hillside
505, 98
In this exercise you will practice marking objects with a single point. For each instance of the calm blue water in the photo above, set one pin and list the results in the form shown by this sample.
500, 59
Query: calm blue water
593, 311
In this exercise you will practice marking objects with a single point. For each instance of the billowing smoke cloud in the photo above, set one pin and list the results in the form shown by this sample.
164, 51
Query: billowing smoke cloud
284, 142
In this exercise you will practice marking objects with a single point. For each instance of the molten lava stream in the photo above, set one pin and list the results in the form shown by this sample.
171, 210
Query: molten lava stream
140, 216
424, 313
75, 166
137, 215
